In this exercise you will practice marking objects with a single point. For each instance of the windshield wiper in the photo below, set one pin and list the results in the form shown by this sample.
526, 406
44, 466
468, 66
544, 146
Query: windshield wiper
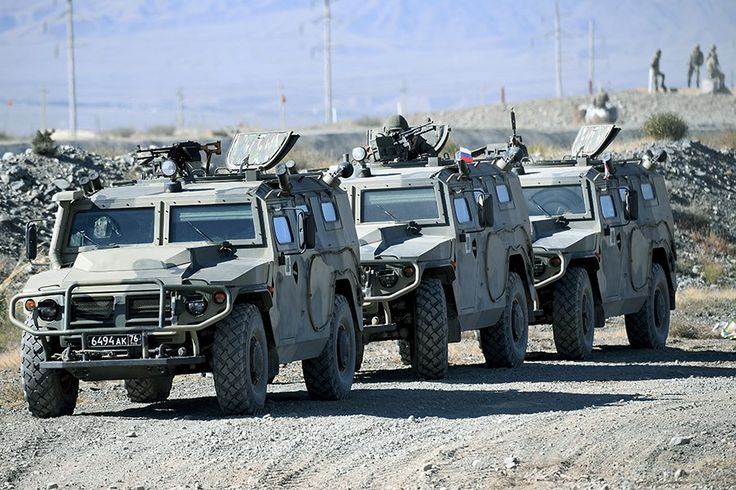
387, 213
201, 233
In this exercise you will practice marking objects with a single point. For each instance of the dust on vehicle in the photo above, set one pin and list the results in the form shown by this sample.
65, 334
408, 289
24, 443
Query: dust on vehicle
445, 248
230, 270
603, 243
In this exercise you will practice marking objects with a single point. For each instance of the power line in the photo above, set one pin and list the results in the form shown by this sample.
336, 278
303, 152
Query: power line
328, 63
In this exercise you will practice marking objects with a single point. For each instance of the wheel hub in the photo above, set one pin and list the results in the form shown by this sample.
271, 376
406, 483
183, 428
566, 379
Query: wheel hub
343, 347
660, 309
256, 361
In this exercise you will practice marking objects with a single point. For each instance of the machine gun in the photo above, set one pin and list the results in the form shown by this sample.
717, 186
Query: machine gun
398, 145
186, 156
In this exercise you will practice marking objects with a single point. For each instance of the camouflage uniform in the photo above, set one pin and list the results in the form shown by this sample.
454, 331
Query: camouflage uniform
696, 61
656, 73
419, 147
601, 99
714, 68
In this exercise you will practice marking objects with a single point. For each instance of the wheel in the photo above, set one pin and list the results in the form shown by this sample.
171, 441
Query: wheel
573, 315
648, 328
48, 392
330, 375
240, 361
429, 356
149, 390
404, 351
504, 344
359, 352
273, 364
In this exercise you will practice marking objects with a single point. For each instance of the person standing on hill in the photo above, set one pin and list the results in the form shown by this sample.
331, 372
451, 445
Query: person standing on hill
656, 74
713, 67
696, 61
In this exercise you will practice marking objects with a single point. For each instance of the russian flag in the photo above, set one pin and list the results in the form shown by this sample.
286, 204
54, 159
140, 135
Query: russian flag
465, 155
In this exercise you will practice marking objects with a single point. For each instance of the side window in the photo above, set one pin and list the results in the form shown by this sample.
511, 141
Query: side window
608, 209
502, 191
647, 191
282, 230
329, 212
462, 212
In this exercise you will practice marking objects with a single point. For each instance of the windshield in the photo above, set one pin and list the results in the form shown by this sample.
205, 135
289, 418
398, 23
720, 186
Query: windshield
555, 200
212, 223
414, 204
111, 227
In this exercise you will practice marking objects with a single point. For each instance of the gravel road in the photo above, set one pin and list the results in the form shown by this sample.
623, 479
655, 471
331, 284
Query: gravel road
611, 422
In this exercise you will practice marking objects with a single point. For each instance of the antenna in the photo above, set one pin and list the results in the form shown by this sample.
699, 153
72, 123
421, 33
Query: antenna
513, 123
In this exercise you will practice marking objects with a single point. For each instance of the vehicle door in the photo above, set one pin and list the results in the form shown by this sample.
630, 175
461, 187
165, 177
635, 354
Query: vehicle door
289, 312
502, 233
469, 240
612, 244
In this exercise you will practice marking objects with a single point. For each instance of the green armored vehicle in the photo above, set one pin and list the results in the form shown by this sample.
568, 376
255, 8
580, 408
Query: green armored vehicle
230, 270
445, 248
603, 244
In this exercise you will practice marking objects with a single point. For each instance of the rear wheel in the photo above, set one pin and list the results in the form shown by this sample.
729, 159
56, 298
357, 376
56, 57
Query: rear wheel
429, 356
504, 344
648, 328
48, 392
149, 390
330, 376
240, 361
573, 315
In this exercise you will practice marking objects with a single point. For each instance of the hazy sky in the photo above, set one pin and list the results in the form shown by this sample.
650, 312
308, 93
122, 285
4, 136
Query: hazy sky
229, 57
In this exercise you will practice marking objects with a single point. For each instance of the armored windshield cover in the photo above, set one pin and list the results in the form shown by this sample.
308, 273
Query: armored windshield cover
591, 141
259, 150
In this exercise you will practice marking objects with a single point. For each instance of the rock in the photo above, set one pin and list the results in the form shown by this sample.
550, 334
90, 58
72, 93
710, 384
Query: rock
511, 462
132, 433
429, 467
679, 473
476, 463
679, 441
18, 186
411, 418
52, 486
7, 156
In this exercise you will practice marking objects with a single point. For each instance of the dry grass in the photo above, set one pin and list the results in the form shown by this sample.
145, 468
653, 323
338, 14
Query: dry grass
309, 158
713, 243
726, 139
690, 301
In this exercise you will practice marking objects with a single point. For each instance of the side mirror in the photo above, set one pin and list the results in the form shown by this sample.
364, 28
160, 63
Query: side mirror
31, 241
485, 208
631, 205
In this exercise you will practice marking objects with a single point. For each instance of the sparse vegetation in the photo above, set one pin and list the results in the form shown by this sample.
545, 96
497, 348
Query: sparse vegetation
121, 132
725, 139
712, 272
162, 130
4, 136
43, 144
369, 122
307, 158
222, 133
665, 126
699, 299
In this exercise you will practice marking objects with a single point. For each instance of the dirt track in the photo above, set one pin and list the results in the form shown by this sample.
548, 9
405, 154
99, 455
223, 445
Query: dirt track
606, 423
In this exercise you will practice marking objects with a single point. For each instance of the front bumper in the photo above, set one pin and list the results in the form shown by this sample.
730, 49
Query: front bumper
373, 292
126, 368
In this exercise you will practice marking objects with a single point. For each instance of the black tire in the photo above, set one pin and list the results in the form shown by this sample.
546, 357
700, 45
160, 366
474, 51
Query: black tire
648, 328
429, 356
404, 351
359, 352
573, 315
48, 392
504, 344
149, 390
330, 375
240, 361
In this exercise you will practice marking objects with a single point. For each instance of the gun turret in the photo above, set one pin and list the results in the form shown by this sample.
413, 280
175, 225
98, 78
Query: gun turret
186, 155
401, 146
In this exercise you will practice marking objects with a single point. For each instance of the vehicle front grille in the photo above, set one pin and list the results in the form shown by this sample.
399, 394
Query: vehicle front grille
145, 307
92, 309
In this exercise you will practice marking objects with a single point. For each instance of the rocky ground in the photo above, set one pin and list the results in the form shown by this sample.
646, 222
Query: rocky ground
625, 419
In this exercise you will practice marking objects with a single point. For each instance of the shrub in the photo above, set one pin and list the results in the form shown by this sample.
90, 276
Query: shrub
712, 272
43, 144
162, 130
122, 132
665, 126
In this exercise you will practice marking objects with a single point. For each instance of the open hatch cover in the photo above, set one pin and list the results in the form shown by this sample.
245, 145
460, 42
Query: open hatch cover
259, 151
591, 141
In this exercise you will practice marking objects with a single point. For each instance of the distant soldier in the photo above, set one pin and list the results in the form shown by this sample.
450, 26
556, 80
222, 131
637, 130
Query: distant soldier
656, 74
713, 67
395, 124
601, 99
696, 61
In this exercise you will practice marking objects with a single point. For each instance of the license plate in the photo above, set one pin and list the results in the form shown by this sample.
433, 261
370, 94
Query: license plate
113, 341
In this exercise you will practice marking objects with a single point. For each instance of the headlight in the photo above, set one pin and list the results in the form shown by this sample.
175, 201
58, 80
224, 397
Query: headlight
359, 154
168, 168
196, 304
408, 271
48, 310
388, 278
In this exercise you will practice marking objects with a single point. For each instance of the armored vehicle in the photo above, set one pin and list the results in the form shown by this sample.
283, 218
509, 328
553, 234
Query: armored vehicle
603, 244
231, 270
445, 248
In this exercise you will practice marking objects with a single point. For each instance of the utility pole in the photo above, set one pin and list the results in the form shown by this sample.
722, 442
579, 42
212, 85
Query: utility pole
282, 104
43, 107
591, 56
558, 49
402, 98
70, 71
180, 115
328, 63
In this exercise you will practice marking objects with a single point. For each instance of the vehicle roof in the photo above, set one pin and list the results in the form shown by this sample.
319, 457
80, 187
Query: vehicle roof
381, 174
534, 172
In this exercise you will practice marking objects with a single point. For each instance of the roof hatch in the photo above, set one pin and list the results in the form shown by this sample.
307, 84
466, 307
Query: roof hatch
259, 151
591, 141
